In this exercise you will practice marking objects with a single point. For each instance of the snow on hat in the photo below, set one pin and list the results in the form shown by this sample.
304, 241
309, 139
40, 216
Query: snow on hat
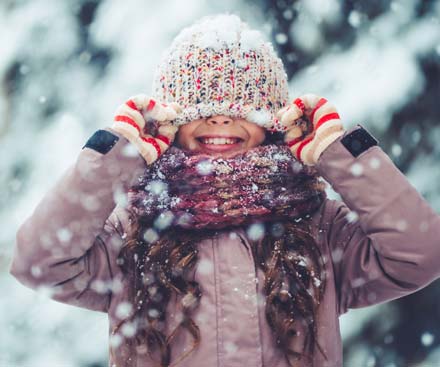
219, 66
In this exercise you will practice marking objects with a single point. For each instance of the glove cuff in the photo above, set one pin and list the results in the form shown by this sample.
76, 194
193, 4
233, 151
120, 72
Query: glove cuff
324, 143
126, 130
145, 149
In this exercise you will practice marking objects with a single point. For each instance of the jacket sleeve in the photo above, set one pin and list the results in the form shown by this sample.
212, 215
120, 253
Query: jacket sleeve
384, 237
70, 242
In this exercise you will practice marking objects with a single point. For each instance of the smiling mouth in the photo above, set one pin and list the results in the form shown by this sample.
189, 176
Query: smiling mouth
219, 141
219, 144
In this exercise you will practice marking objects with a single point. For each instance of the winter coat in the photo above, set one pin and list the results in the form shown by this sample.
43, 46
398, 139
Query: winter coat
379, 243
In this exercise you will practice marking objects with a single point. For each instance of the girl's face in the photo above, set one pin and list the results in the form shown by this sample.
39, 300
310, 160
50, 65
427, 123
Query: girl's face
219, 135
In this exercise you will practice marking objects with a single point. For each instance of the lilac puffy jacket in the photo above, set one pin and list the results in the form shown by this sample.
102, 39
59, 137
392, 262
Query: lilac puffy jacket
390, 250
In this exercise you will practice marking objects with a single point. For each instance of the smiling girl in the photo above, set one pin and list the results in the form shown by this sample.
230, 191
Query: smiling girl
200, 224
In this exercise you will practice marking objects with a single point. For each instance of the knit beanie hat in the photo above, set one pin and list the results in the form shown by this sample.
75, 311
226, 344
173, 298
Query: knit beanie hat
219, 66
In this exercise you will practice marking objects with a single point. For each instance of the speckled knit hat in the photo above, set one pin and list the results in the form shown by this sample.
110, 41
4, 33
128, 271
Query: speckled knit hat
219, 66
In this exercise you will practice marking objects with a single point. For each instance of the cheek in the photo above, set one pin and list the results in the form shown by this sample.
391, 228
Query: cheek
184, 138
257, 136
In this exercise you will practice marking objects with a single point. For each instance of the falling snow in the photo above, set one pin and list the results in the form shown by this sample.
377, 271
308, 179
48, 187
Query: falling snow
355, 18
352, 216
157, 187
205, 167
115, 340
64, 234
205, 266
427, 339
356, 169
123, 310
281, 38
374, 163
255, 231
164, 220
150, 235
128, 329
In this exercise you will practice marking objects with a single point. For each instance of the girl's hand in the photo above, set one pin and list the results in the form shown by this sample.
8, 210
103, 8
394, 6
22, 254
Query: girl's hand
311, 123
129, 121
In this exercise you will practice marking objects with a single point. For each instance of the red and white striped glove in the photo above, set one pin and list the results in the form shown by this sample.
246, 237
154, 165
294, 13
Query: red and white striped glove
326, 127
129, 121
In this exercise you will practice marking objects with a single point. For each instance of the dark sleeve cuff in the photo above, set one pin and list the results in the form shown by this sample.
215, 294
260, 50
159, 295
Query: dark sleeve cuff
101, 141
358, 141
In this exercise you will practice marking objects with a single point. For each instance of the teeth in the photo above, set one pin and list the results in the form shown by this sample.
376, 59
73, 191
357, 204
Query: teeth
218, 141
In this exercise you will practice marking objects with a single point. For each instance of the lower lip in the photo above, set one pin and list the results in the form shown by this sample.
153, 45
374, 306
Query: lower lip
220, 147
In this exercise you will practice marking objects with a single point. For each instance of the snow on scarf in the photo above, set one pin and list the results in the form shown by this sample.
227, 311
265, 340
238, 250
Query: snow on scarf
195, 190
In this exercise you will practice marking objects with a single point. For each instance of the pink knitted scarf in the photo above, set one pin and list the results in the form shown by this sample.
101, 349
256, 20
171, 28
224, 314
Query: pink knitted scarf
191, 190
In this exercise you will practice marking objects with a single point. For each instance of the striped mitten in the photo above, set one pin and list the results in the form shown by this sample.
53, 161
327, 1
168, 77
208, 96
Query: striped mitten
326, 127
129, 121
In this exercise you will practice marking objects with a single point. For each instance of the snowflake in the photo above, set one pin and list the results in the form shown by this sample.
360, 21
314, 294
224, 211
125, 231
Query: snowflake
255, 231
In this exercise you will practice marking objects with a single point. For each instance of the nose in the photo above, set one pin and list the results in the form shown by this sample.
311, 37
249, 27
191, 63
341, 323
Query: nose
219, 120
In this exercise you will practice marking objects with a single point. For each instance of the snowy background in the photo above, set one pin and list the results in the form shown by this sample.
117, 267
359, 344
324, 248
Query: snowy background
66, 65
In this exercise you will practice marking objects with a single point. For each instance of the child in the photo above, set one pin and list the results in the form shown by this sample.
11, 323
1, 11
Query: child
226, 250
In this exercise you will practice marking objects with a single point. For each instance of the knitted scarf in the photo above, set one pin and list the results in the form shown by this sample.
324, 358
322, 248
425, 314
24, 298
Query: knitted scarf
194, 190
